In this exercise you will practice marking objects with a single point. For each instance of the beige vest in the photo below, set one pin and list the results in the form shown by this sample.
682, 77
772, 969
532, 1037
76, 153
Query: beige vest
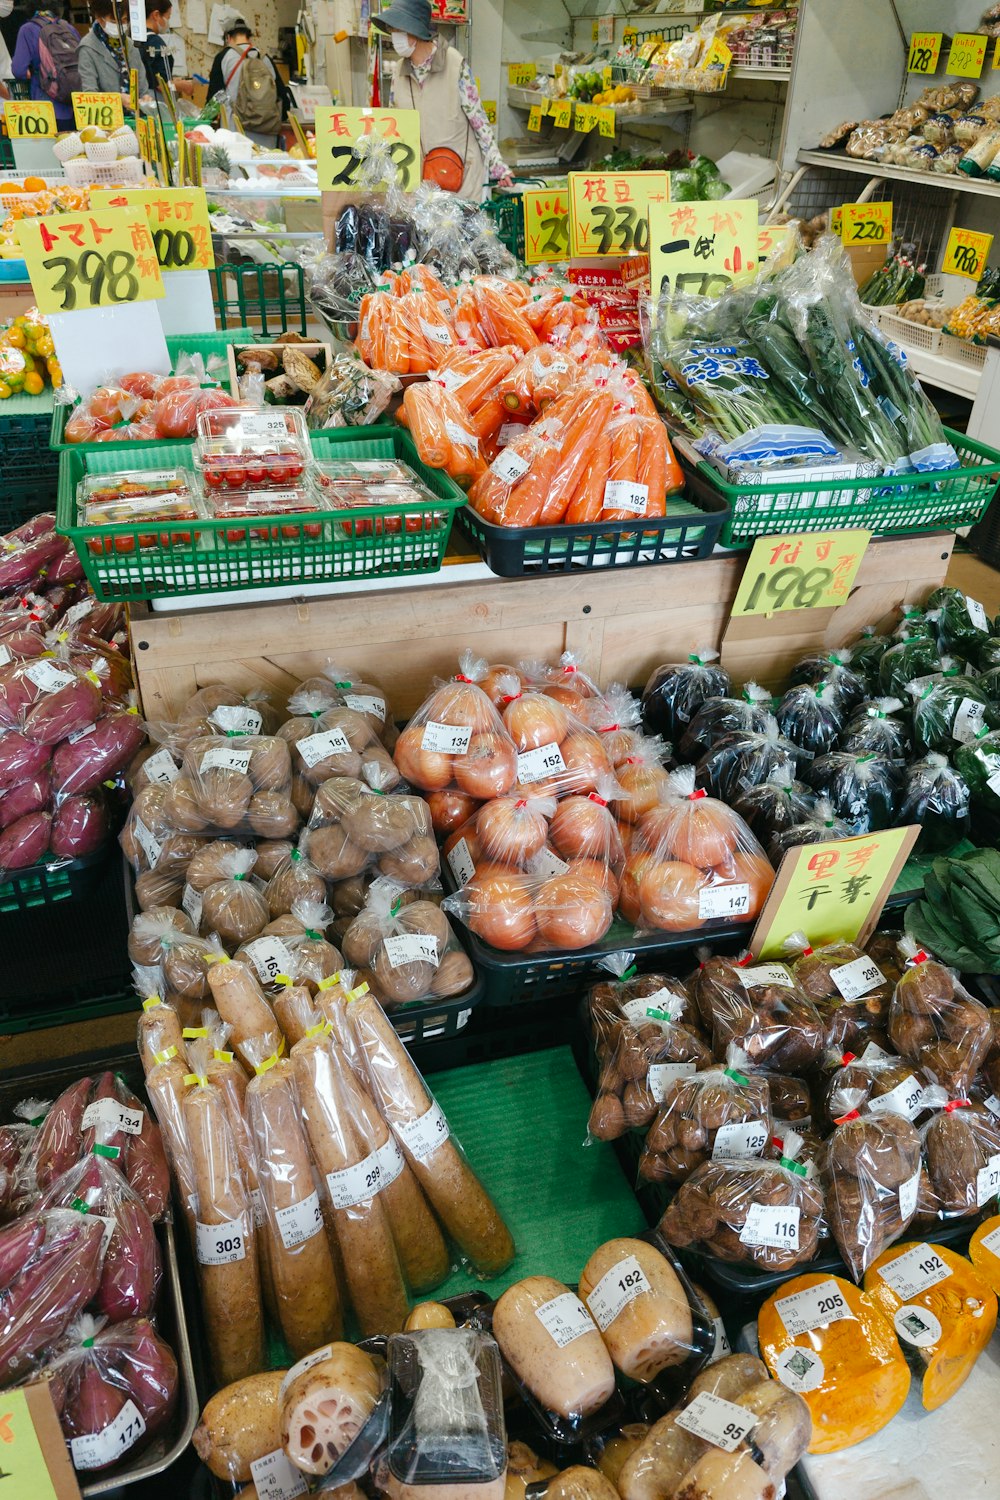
443, 122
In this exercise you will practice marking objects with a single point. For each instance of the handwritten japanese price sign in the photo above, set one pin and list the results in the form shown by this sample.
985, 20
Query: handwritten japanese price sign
585, 117
536, 115
97, 258
178, 221
996, 56
519, 75
832, 891
606, 121
490, 108
338, 129
560, 113
546, 225
925, 50
773, 240
30, 119
104, 110
32, 1452
967, 54
966, 253
603, 30
809, 571
609, 210
866, 223
702, 247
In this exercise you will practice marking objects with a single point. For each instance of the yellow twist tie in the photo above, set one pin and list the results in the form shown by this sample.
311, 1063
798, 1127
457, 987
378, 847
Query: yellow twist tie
162, 1057
283, 979
323, 1027
190, 1032
221, 1056
192, 1078
356, 994
152, 1001
329, 982
267, 1064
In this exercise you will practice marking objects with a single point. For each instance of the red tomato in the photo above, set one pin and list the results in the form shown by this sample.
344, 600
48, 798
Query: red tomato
140, 383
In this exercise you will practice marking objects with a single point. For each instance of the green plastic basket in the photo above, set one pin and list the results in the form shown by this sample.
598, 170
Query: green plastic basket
219, 556
908, 502
271, 298
29, 471
507, 214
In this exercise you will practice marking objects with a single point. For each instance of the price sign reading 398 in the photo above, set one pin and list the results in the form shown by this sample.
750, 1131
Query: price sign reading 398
90, 259
340, 131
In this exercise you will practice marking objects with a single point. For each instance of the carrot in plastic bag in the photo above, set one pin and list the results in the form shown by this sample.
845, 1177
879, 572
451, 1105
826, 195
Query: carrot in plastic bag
491, 491
395, 340
487, 421
524, 505
491, 367
499, 318
559, 374
590, 417
466, 318
658, 467
540, 305
363, 342
623, 469
517, 388
427, 426
588, 501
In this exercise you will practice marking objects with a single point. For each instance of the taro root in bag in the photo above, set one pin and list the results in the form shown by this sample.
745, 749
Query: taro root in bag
357, 826
692, 860
949, 711
718, 717
645, 1037
719, 1113
834, 670
114, 1388
50, 1269
936, 1024
762, 1213
675, 692
812, 718
760, 1009
863, 790
746, 758
876, 1083
872, 1176
456, 740
936, 796
152, 933
848, 989
409, 949
876, 729
774, 805
298, 951
961, 1157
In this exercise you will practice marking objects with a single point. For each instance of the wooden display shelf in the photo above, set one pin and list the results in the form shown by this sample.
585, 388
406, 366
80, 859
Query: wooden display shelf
622, 623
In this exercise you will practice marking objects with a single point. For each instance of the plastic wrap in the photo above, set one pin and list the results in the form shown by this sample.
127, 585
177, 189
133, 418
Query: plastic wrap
832, 670
848, 989
326, 1401
557, 755
811, 717
240, 1002
915, 656
645, 1036
51, 1266
232, 906
762, 1212
936, 1024
441, 430
410, 949
353, 829
718, 1113
760, 1009
936, 796
867, 653
961, 1158
554, 1348
876, 1083
456, 740
863, 790
774, 805
873, 730
236, 784
819, 826
961, 624
872, 1174
674, 694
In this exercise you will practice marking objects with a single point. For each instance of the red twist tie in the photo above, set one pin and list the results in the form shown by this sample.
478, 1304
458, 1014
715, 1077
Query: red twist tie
521, 802
957, 1104
609, 728
569, 669
461, 677
601, 801
510, 698
854, 1115
920, 957
848, 1057
698, 792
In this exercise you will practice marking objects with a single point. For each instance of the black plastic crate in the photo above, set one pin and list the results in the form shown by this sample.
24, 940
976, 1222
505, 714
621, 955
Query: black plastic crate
29, 470
523, 551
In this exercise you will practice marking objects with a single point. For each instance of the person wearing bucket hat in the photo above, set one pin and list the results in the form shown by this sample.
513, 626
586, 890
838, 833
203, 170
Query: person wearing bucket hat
457, 144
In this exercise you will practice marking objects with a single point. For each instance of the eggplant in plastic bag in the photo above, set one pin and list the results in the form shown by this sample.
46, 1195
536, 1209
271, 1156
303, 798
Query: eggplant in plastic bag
834, 668
936, 796
862, 789
738, 761
777, 803
875, 729
721, 716
675, 692
819, 826
345, 235
809, 717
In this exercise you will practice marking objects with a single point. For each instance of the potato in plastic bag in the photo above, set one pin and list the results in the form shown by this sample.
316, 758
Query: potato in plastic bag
764, 1213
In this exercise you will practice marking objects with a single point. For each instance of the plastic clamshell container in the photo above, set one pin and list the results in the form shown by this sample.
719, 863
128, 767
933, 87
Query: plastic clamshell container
256, 447
136, 495
333, 472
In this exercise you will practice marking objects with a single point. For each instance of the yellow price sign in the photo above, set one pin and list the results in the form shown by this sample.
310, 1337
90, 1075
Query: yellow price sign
966, 253
337, 131
602, 30
832, 891
95, 258
490, 108
702, 247
774, 240
609, 210
30, 119
133, 90
519, 75
717, 59
629, 36
32, 1448
561, 113
996, 55
967, 54
178, 221
606, 121
925, 51
810, 571
536, 115
546, 225
585, 117
607, 76
836, 220
104, 110
866, 223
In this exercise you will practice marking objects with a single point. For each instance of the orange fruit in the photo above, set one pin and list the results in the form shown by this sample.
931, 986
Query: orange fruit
35, 184
15, 338
34, 385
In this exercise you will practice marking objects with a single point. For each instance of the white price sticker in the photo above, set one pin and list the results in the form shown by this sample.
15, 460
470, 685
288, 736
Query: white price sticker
663, 1076
225, 758
545, 864
905, 1099
874, 1053
537, 765
422, 1136
117, 1116
450, 379
96, 1450
615, 1290
390, 1162
540, 369
48, 677
662, 1008
625, 494
161, 768
300, 1221
436, 332
260, 424
270, 957
363, 704
565, 1319
508, 432
908, 1193
721, 1423
461, 437
356, 1184
800, 1369
914, 1271
733, 1142
411, 948
992, 1242
317, 747
460, 862
150, 846
968, 721
772, 1226
80, 734
235, 719
722, 1345
766, 974
5, 656
994, 783
303, 1366
993, 1105
446, 739
276, 1478
917, 1326
192, 903
257, 1208
509, 466
815, 1307
723, 901
977, 614
221, 1244
988, 1181
859, 977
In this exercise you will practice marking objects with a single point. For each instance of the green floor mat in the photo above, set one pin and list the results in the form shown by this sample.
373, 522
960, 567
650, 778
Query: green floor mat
522, 1122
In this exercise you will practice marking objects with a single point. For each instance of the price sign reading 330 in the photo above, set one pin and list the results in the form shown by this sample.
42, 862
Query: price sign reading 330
609, 210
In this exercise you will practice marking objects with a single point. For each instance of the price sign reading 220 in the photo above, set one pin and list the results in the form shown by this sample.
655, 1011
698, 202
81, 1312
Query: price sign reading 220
96, 259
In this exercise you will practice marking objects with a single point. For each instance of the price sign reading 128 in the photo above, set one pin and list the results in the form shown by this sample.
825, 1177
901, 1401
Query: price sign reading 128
925, 50
340, 131
90, 259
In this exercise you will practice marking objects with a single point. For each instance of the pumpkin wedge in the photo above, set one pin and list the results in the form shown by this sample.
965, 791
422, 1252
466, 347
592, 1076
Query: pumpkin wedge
824, 1338
984, 1251
942, 1308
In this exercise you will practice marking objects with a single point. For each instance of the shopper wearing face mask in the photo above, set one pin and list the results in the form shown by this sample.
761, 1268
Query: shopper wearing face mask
156, 58
457, 143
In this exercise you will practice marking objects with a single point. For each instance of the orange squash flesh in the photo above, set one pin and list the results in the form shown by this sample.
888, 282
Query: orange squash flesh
963, 1304
986, 1256
865, 1378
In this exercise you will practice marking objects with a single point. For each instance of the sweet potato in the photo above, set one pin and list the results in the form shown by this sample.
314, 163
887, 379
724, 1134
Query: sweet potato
80, 827
20, 758
146, 1169
132, 1269
25, 841
240, 1424
106, 750
18, 1242
56, 716
59, 1281
28, 796
148, 1367
59, 1141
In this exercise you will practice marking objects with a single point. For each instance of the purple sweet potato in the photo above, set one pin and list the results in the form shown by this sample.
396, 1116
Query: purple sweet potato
18, 1242
98, 755
25, 841
21, 642
80, 826
21, 568
146, 1168
59, 1281
18, 695
65, 569
20, 758
131, 1275
149, 1370
30, 795
91, 1404
71, 709
58, 1145
35, 526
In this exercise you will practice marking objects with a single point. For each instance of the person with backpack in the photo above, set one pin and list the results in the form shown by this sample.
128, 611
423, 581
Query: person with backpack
156, 58
104, 63
252, 84
48, 54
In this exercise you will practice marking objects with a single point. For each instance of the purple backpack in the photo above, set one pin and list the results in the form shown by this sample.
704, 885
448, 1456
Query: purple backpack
58, 59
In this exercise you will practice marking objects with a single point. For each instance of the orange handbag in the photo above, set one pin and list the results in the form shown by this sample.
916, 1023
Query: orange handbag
445, 167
